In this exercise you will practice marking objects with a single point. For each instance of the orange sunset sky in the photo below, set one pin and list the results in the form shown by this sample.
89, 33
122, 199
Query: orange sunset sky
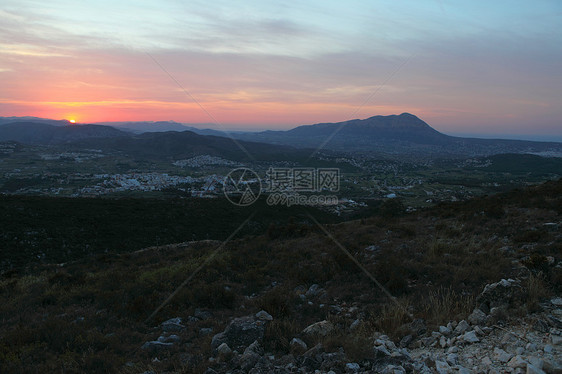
464, 67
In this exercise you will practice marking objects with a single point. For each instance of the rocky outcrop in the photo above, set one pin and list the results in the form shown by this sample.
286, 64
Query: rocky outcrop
242, 332
468, 346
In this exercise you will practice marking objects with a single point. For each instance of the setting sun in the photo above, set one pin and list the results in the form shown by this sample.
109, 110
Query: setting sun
72, 121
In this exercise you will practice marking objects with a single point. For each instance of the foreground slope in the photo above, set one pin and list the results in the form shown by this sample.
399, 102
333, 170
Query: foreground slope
91, 315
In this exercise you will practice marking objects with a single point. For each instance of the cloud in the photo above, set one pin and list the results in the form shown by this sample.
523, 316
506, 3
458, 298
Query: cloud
313, 61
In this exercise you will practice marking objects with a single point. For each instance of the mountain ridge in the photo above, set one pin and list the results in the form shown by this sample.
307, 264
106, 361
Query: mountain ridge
403, 134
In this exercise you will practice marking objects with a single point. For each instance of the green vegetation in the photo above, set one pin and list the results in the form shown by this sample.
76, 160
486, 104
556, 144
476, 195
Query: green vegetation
55, 230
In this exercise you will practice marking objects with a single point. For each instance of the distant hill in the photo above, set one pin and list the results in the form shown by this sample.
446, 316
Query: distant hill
394, 134
53, 122
43, 133
148, 145
147, 126
401, 135
178, 145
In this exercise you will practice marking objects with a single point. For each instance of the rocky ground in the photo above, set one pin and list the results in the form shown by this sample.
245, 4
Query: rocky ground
292, 301
488, 341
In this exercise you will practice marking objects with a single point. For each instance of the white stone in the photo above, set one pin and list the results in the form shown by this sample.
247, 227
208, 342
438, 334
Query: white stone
442, 367
297, 343
322, 328
353, 366
502, 355
531, 347
224, 349
462, 327
383, 350
536, 362
517, 362
264, 316
531, 369
477, 317
487, 361
470, 337
453, 350
452, 359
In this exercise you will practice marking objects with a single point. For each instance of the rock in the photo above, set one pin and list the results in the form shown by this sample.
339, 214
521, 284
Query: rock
452, 359
503, 293
462, 327
556, 301
540, 325
264, 316
548, 348
313, 291
255, 347
552, 366
169, 339
335, 309
201, 314
531, 369
298, 345
252, 354
519, 350
156, 345
443, 342
497, 313
418, 327
240, 333
381, 351
502, 355
536, 362
556, 339
532, 347
355, 324
487, 361
427, 341
352, 367
224, 350
217, 340
442, 367
517, 362
393, 369
477, 317
444, 330
173, 324
479, 331
205, 331
405, 341
470, 337
322, 328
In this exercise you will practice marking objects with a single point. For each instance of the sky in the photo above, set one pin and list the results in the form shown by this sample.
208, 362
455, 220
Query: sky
470, 67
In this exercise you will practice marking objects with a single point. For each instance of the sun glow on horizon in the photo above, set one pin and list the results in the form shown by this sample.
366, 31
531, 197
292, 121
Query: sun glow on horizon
72, 121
